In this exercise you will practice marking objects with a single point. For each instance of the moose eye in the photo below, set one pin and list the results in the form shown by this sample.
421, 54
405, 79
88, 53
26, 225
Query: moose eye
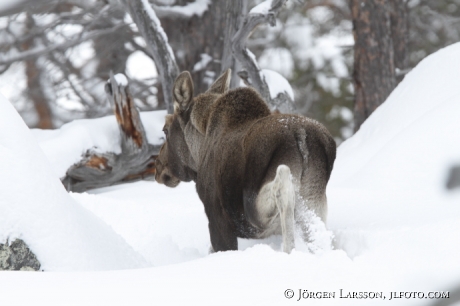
165, 130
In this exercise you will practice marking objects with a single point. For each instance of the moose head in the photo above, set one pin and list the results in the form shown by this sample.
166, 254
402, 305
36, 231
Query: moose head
185, 129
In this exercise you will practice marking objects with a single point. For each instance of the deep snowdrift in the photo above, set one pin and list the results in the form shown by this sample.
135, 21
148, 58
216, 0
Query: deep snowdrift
35, 207
395, 227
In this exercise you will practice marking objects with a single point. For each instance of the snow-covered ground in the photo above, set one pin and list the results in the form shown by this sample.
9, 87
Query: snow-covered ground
395, 227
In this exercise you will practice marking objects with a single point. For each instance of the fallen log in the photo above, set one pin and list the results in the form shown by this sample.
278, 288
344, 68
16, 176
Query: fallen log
137, 158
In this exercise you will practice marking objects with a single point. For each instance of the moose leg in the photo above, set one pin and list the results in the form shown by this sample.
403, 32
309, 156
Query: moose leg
222, 236
279, 195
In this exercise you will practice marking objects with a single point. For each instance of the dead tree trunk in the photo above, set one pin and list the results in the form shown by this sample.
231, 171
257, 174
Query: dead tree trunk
157, 43
201, 42
235, 11
137, 158
252, 75
399, 17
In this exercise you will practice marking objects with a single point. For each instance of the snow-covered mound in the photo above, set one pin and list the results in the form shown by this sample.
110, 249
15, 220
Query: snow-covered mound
35, 207
410, 140
388, 202
392, 173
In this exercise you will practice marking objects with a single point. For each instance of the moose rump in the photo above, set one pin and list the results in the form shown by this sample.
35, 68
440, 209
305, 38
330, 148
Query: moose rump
252, 169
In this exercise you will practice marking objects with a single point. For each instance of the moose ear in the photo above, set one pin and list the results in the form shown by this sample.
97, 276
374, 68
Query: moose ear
169, 119
182, 91
222, 84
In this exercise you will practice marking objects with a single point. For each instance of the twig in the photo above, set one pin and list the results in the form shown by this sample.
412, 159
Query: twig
68, 44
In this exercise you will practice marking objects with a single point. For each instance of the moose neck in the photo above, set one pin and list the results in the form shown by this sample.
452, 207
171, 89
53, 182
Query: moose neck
194, 140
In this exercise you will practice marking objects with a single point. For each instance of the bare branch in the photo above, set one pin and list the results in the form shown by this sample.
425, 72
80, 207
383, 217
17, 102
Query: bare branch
157, 43
235, 11
14, 7
6, 60
257, 16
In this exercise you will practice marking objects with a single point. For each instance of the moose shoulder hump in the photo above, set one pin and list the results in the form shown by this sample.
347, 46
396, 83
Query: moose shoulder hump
237, 107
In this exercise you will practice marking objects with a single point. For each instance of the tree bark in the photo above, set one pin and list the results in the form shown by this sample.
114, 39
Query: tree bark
137, 158
374, 69
399, 17
110, 49
34, 88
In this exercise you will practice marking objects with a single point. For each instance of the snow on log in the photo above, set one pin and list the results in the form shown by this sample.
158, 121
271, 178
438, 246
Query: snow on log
137, 158
253, 76
279, 88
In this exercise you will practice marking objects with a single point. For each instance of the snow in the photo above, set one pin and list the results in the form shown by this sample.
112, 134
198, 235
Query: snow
262, 8
422, 104
395, 227
8, 4
162, 217
121, 79
140, 66
203, 63
35, 207
277, 83
198, 7
310, 48
253, 58
278, 59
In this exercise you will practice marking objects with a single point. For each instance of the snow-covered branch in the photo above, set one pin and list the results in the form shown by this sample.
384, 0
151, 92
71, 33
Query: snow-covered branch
196, 8
265, 12
157, 43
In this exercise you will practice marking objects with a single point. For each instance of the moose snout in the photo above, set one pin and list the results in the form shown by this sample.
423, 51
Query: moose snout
163, 175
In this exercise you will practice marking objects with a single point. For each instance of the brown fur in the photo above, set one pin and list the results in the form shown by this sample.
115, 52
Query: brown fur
229, 143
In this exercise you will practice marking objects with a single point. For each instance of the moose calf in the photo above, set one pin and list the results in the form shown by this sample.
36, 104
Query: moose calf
251, 167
